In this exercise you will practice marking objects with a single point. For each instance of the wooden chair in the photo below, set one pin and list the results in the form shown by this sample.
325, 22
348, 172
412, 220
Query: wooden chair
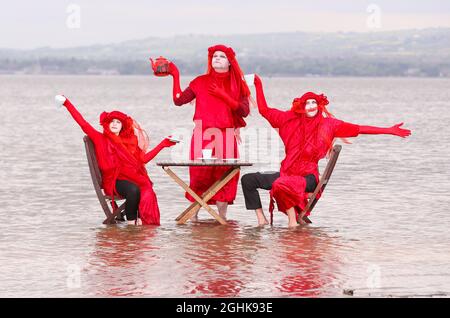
325, 177
111, 215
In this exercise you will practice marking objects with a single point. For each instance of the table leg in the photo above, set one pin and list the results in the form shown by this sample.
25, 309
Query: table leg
201, 201
208, 194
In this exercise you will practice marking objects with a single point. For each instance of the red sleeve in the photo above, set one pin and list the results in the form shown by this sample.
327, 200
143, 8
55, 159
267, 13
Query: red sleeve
186, 96
194, 84
343, 129
243, 108
153, 153
275, 117
85, 126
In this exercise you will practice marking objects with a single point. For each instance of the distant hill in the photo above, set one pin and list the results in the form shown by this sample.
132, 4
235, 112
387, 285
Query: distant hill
394, 53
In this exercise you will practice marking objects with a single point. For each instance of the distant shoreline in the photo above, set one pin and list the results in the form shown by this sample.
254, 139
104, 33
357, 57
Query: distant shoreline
194, 75
408, 53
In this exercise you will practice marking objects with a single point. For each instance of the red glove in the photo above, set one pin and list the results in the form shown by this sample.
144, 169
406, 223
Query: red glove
166, 143
67, 102
394, 130
397, 131
173, 71
155, 151
257, 81
260, 98
222, 94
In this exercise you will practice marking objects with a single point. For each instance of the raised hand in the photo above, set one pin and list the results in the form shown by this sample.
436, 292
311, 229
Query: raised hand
257, 80
401, 132
167, 143
173, 69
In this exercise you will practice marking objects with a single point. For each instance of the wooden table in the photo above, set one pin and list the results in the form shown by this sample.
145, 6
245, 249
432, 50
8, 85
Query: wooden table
201, 201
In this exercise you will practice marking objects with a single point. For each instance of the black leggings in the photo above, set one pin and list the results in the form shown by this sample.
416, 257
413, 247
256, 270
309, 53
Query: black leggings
251, 182
132, 195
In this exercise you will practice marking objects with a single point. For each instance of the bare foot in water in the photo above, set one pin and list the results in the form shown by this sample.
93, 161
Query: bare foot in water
261, 217
135, 222
293, 225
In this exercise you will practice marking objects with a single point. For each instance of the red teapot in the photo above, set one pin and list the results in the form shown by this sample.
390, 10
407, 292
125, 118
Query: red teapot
160, 66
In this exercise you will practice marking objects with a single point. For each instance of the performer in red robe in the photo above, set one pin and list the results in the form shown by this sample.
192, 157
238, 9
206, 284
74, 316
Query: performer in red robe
308, 131
221, 102
121, 151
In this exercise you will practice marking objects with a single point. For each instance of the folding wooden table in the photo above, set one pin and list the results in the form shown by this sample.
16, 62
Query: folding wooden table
201, 201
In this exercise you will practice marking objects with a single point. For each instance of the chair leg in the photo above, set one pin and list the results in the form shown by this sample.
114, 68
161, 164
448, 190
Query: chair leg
307, 220
111, 219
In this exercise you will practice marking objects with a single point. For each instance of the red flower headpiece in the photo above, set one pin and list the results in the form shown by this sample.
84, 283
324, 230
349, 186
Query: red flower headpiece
299, 103
131, 133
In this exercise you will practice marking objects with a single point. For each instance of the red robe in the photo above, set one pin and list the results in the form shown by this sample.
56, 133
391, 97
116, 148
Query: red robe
116, 163
215, 125
306, 141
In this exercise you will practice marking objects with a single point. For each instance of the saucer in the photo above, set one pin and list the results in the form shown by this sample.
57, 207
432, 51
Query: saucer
172, 139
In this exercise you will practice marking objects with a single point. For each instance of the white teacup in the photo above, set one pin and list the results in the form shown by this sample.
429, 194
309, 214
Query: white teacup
207, 153
59, 100
250, 79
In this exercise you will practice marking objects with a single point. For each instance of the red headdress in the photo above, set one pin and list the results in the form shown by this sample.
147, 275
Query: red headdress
131, 136
299, 103
238, 85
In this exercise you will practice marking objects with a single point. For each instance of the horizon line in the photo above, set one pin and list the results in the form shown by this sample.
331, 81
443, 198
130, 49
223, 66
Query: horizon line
226, 35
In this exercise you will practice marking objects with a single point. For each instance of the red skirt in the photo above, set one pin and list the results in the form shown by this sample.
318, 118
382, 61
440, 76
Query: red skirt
288, 192
148, 206
224, 145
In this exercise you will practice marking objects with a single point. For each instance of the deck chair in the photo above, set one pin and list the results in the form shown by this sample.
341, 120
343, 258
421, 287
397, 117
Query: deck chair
324, 178
112, 215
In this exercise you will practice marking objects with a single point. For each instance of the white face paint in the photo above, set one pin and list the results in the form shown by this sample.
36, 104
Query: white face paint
220, 62
115, 126
311, 108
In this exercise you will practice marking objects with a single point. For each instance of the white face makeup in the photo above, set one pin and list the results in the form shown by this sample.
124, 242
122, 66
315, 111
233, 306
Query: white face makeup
115, 126
220, 62
311, 108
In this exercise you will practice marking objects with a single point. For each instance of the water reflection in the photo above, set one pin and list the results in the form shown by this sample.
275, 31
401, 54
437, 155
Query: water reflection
116, 264
214, 252
308, 262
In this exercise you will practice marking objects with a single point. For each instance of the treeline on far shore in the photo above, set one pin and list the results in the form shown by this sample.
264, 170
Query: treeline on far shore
265, 66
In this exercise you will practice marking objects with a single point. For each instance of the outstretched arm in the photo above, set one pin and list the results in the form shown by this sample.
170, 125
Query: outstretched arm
260, 97
85, 126
274, 116
344, 129
179, 97
395, 130
155, 151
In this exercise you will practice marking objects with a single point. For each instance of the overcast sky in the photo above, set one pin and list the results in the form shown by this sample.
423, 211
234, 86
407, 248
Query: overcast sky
56, 23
